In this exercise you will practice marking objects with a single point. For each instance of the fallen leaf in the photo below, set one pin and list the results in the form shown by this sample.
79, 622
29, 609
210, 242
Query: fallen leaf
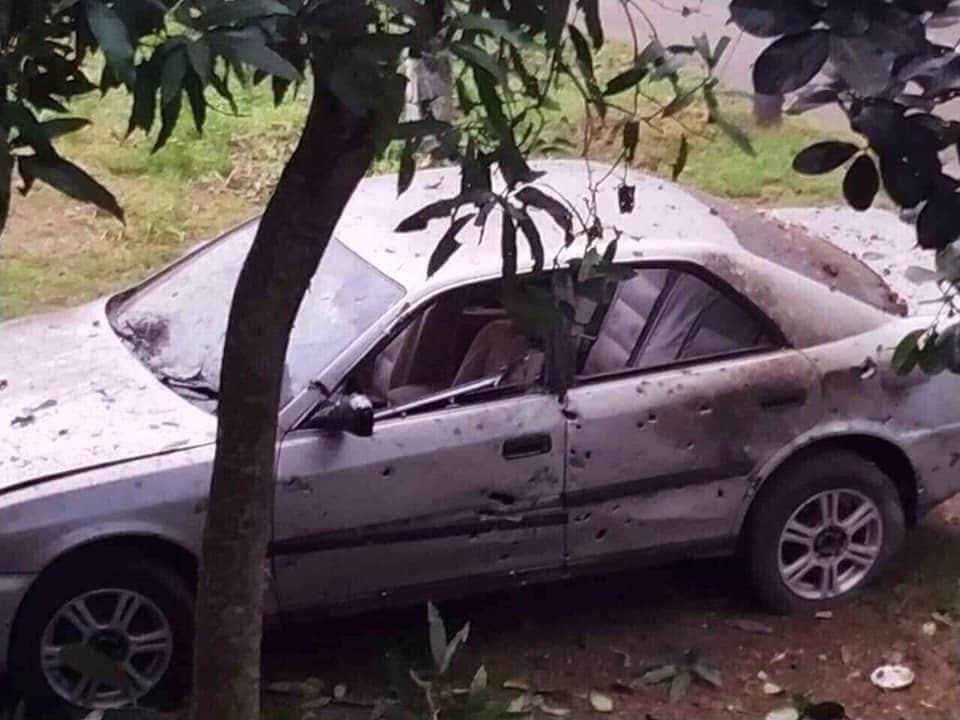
824, 615
771, 688
554, 711
515, 685
846, 655
751, 626
519, 705
600, 702
659, 675
943, 619
929, 629
339, 691
779, 657
784, 713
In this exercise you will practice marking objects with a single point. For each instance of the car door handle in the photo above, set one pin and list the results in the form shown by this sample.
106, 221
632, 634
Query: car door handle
527, 446
785, 398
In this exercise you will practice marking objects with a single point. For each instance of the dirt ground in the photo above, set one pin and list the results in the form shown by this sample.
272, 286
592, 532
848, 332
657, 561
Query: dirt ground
600, 633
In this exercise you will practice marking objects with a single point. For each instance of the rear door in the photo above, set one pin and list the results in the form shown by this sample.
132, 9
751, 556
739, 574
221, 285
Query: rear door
684, 388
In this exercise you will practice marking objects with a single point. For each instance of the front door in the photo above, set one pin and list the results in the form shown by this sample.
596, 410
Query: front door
462, 481
683, 392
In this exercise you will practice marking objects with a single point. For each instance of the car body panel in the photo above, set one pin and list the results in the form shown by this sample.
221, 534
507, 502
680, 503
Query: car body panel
74, 397
427, 498
665, 457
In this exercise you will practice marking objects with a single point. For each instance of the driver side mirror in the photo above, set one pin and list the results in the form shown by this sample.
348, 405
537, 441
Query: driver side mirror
347, 414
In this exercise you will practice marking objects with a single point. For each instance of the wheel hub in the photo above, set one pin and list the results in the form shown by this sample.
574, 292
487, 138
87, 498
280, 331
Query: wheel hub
830, 542
111, 643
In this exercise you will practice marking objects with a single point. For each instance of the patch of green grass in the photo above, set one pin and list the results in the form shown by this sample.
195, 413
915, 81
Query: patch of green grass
54, 252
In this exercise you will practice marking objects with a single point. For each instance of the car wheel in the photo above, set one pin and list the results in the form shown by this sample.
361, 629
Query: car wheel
132, 610
821, 530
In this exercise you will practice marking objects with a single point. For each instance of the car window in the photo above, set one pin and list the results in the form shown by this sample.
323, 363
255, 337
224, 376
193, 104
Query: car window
456, 340
665, 315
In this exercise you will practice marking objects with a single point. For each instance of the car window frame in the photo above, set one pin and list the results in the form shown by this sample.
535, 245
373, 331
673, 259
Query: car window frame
442, 399
777, 339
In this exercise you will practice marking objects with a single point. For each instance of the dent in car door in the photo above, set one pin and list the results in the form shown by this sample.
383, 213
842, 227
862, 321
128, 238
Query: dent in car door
450, 493
664, 458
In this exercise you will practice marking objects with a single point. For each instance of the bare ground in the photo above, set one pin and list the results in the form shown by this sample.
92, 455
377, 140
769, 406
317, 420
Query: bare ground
602, 632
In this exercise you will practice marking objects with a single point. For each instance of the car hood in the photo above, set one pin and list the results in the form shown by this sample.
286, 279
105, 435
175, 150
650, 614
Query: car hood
73, 397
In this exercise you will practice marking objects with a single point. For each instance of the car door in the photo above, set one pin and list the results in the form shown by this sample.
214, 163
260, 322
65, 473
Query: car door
684, 388
464, 481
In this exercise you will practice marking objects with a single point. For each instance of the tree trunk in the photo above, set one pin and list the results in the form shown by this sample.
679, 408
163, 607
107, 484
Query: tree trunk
331, 158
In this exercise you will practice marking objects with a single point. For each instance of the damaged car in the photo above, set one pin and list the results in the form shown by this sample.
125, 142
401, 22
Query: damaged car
710, 390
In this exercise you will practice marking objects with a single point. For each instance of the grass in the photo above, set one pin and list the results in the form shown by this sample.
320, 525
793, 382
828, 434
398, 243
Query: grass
55, 252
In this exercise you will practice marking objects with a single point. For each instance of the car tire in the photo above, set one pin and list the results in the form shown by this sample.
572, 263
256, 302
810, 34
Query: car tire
123, 578
800, 551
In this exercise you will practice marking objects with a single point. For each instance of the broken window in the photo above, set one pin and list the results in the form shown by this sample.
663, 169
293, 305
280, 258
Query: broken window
462, 337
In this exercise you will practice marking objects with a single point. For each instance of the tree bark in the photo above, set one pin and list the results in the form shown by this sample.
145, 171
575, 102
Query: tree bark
331, 158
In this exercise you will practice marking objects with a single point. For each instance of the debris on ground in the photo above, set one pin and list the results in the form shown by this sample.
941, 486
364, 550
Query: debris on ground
892, 677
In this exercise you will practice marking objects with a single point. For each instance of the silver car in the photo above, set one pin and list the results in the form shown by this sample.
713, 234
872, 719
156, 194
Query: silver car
720, 402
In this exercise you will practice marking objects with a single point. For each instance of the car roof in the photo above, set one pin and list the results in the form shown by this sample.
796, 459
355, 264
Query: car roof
669, 224
666, 218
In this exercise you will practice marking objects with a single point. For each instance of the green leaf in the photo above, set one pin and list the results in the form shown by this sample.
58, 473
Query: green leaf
529, 229
530, 85
706, 673
582, 50
62, 126
171, 95
679, 103
200, 60
680, 686
497, 27
659, 675
438, 631
907, 353
434, 211
479, 58
556, 14
415, 11
722, 45
68, 179
445, 249
145, 95
930, 360
626, 80
228, 12
557, 210
682, 154
631, 137
408, 166
508, 247
112, 36
250, 47
463, 633
198, 103
490, 99
738, 136
591, 16
479, 682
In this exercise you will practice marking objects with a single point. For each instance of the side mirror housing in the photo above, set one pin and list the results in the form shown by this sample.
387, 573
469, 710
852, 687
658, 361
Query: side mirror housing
347, 414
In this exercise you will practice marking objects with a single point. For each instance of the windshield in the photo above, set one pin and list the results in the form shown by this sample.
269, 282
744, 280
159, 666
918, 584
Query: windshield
176, 323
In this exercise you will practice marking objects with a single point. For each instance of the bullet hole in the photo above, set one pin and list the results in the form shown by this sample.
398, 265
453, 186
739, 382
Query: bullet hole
473, 537
502, 498
582, 517
641, 424
705, 409
641, 390
615, 508
570, 414
588, 454
652, 418
387, 472
720, 493
457, 431
575, 460
628, 521
579, 426
504, 556
600, 536
689, 446
954, 458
